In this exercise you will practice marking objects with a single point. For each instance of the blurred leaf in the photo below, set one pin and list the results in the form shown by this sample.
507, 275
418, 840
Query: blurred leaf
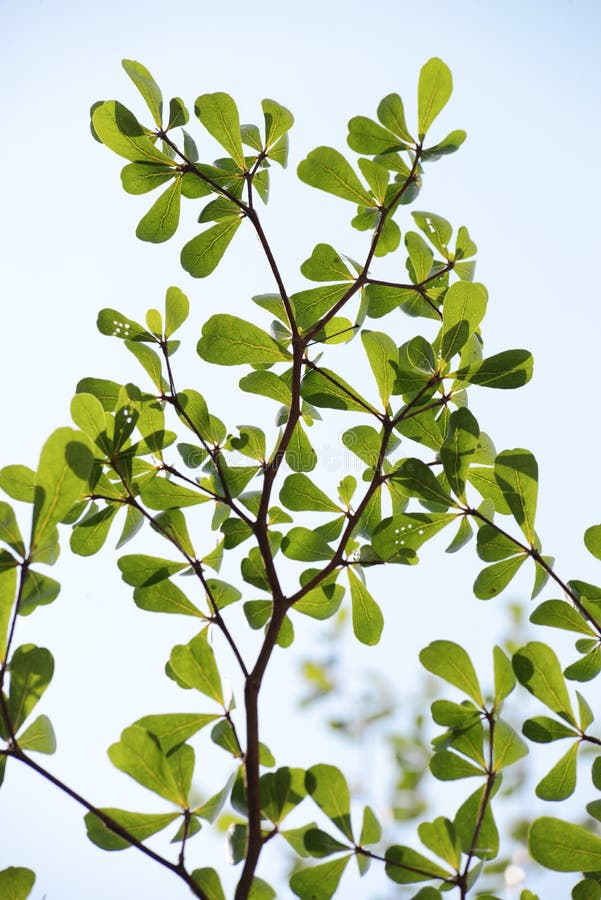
16, 883
208, 880
38, 737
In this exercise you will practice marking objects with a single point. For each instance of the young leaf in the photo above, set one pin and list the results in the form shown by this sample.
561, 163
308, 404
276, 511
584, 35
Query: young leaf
368, 620
564, 847
451, 662
219, 115
326, 169
229, 341
433, 92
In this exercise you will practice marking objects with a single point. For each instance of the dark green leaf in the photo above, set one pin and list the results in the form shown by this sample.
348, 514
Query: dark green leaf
319, 843
407, 866
544, 730
459, 447
507, 370
418, 480
397, 538
450, 144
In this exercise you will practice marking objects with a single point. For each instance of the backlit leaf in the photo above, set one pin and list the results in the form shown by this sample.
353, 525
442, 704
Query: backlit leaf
230, 341
326, 169
433, 92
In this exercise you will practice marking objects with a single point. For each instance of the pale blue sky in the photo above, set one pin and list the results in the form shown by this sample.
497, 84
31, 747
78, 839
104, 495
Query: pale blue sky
527, 87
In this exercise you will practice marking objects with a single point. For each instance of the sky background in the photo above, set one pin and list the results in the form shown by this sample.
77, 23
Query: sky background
526, 89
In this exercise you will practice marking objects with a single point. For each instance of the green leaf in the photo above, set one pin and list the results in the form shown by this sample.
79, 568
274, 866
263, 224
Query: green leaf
494, 545
31, 670
406, 866
436, 229
229, 341
449, 144
325, 264
202, 255
592, 540
18, 482
142, 177
8, 589
537, 668
161, 221
382, 354
208, 880
9, 529
505, 371
433, 92
459, 447
165, 597
397, 538
267, 384
224, 736
140, 756
177, 308
195, 666
420, 256
544, 730
121, 132
63, 475
211, 808
328, 788
326, 169
368, 620
494, 579
505, 680
278, 120
306, 545
16, 883
139, 825
141, 570
508, 747
253, 570
377, 178
463, 310
90, 533
391, 114
160, 493
451, 662
147, 86
448, 766
319, 882
418, 480
366, 136
564, 847
466, 819
439, 837
560, 782
371, 830
219, 115
585, 890
365, 442
260, 890
319, 843
300, 493
38, 737
586, 668
324, 388
172, 729
516, 472
322, 602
